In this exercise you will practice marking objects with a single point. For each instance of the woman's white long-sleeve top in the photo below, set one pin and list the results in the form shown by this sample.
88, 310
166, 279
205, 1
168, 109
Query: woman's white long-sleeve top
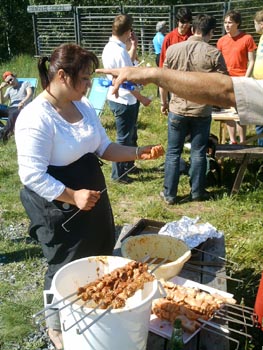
44, 138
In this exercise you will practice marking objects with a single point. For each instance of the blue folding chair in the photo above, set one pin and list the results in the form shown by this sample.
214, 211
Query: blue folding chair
4, 108
97, 96
33, 82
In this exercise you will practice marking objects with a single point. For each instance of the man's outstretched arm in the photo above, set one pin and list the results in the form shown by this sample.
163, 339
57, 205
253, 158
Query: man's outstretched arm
203, 88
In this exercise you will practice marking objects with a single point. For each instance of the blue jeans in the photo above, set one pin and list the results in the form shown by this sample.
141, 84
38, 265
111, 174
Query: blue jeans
178, 128
125, 120
259, 130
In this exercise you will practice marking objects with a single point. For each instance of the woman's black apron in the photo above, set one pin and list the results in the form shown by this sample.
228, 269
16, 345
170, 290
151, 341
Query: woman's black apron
90, 232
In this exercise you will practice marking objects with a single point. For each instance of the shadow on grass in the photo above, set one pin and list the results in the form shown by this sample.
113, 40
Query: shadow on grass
230, 168
5, 172
20, 255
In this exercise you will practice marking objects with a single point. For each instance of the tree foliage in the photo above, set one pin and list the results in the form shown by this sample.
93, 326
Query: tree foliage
16, 35
129, 2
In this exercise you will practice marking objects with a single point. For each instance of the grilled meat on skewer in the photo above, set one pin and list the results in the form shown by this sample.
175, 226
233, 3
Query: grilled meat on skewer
113, 289
188, 304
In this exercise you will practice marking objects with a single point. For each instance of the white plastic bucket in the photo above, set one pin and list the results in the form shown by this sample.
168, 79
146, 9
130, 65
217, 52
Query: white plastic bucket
125, 328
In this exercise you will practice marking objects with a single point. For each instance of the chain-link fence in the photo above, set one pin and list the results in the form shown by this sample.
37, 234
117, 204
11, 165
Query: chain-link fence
90, 26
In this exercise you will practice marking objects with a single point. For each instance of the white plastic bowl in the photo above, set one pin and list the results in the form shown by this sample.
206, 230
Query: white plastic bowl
125, 328
158, 246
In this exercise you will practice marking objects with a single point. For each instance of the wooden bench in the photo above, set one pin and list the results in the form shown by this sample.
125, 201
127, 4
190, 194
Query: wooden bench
242, 153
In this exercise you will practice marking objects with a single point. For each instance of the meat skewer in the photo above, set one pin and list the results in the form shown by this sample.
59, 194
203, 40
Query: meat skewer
94, 321
51, 306
232, 315
82, 318
231, 319
189, 304
114, 288
188, 266
226, 330
216, 256
38, 322
160, 264
221, 334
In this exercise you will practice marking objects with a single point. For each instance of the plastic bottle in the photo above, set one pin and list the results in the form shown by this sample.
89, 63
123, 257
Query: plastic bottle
176, 341
105, 82
125, 85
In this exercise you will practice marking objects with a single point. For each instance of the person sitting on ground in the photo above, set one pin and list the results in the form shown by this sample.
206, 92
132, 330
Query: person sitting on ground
17, 95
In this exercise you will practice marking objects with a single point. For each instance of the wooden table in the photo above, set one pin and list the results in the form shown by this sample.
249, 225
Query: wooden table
242, 153
223, 116
203, 340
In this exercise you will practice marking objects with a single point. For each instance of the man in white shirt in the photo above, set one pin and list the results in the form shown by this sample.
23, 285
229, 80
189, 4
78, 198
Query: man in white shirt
124, 107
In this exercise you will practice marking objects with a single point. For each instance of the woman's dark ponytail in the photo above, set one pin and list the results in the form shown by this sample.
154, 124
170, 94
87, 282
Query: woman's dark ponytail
43, 71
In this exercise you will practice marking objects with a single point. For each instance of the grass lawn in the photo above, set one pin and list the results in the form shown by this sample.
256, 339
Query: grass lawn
21, 263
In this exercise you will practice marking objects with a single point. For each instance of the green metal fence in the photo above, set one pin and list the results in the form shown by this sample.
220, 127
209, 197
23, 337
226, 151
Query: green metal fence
90, 26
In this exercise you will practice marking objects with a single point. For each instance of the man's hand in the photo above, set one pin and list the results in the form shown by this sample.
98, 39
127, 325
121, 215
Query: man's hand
121, 75
3, 85
165, 108
20, 105
133, 39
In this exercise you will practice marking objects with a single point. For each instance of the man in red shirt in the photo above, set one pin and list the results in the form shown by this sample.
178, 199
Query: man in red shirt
181, 33
238, 49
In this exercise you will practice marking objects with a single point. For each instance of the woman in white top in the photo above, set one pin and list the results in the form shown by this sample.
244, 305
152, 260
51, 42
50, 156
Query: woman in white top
59, 138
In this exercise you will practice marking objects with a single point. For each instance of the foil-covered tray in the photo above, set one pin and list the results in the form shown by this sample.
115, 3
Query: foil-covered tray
189, 230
